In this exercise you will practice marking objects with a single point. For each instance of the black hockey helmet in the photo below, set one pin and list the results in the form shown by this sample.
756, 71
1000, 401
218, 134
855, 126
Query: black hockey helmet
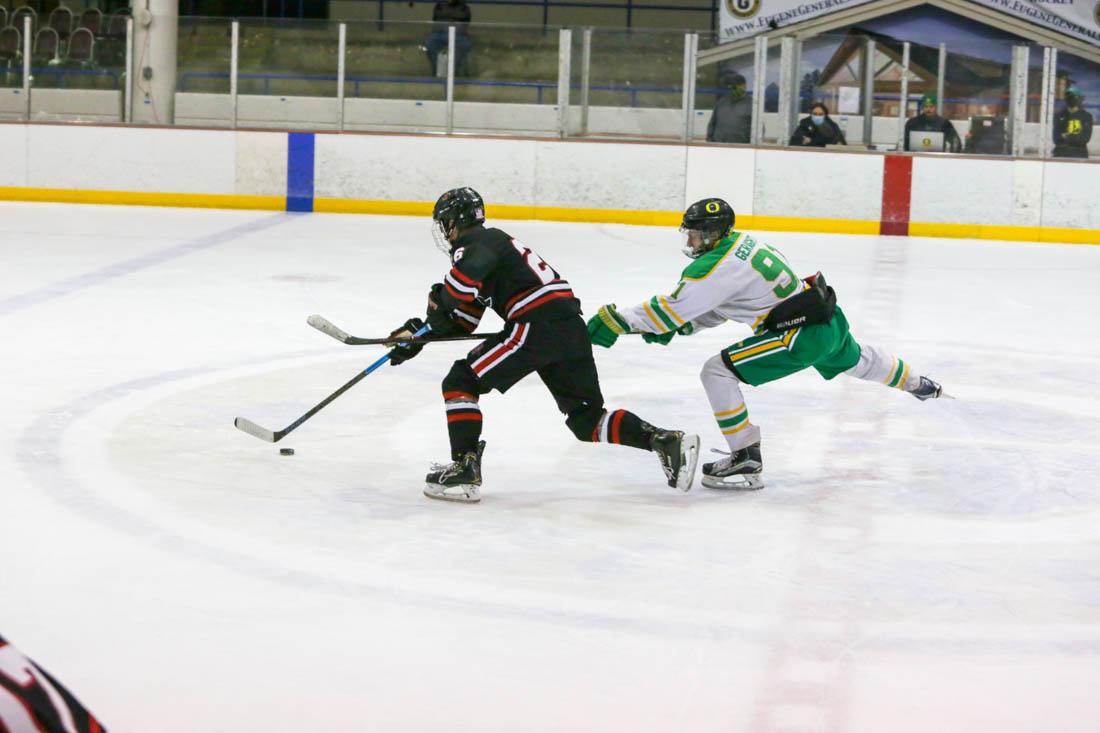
456, 209
704, 224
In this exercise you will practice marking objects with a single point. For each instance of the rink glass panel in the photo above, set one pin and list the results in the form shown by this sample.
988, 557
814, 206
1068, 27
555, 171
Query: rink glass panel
388, 61
288, 57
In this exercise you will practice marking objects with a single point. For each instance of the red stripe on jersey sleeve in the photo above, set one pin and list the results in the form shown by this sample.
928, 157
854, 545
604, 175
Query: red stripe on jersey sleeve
464, 297
464, 279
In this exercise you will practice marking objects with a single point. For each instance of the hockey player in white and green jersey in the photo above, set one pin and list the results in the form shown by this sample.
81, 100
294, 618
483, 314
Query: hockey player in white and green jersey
795, 322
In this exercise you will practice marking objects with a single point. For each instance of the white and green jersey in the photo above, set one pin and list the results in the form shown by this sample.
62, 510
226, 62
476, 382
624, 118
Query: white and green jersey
740, 280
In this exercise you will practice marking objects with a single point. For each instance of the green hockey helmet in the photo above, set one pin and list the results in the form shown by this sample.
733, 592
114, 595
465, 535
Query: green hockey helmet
704, 224
455, 210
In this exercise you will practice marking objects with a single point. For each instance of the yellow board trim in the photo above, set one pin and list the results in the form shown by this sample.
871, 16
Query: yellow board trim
143, 198
1035, 234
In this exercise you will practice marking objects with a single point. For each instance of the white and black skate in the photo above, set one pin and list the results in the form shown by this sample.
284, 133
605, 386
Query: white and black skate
741, 471
678, 454
458, 480
928, 390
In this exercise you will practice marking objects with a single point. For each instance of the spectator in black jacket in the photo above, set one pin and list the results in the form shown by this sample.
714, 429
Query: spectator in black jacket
444, 14
731, 121
929, 121
1072, 127
817, 130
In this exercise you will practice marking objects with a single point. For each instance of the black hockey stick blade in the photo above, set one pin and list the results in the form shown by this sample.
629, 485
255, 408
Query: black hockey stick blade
255, 430
328, 328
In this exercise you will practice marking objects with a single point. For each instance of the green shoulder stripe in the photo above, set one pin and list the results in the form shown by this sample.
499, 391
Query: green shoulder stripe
705, 265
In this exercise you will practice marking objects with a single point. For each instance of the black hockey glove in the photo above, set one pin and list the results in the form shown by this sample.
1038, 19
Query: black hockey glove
401, 353
439, 316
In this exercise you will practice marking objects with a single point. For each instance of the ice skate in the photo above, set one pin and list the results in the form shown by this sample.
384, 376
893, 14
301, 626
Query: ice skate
678, 453
928, 390
742, 470
457, 481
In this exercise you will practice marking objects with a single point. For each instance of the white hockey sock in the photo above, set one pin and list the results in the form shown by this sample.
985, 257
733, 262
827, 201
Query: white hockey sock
875, 365
724, 392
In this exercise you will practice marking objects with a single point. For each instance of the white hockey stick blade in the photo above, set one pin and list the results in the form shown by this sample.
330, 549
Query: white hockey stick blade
325, 326
255, 430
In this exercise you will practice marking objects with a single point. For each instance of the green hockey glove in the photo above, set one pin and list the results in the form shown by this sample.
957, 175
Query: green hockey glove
606, 326
658, 338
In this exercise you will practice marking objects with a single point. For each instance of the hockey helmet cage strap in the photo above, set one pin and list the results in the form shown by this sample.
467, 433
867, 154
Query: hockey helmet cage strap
463, 206
712, 218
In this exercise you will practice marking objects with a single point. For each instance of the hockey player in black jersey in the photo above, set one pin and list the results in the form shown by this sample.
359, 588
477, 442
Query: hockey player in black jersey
544, 334
31, 701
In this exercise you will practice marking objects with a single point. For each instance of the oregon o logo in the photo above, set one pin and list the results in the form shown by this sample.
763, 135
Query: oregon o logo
712, 207
743, 8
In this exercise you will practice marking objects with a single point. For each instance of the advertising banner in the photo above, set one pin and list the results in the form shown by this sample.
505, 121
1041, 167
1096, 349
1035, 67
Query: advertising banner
746, 18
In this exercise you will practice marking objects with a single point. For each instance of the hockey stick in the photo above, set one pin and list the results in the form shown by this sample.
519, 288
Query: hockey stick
328, 328
275, 436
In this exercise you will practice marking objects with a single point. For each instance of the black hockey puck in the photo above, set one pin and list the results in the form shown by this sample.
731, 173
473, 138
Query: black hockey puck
286, 451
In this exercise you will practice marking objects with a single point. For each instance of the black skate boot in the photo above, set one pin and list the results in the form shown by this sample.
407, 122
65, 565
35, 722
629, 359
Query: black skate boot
743, 470
677, 452
457, 481
927, 390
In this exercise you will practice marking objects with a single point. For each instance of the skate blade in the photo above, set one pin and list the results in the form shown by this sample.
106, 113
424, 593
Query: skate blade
737, 482
464, 494
686, 474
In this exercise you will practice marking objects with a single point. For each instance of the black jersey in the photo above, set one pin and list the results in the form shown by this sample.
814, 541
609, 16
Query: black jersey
494, 270
934, 123
31, 701
1072, 132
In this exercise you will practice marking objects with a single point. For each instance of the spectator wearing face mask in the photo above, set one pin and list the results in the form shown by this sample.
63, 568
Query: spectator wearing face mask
817, 130
731, 121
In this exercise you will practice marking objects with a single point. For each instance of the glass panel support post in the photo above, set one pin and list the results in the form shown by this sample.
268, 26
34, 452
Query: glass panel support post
1046, 107
1017, 98
450, 79
790, 51
340, 68
868, 79
759, 79
27, 66
234, 50
691, 62
941, 75
586, 76
903, 95
565, 73
128, 75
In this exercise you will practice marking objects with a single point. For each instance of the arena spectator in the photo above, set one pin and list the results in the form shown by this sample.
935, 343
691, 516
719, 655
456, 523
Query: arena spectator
731, 121
447, 13
817, 130
929, 121
1072, 127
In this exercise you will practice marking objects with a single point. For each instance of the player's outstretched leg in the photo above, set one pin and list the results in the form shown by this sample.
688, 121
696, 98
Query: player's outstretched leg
743, 468
678, 452
875, 365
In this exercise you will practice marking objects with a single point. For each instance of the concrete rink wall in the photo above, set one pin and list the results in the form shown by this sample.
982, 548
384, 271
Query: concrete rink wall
535, 178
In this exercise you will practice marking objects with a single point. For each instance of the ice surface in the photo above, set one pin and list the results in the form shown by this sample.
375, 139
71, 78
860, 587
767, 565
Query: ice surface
910, 566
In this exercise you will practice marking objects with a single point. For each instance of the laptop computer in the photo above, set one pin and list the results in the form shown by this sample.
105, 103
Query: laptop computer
925, 141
